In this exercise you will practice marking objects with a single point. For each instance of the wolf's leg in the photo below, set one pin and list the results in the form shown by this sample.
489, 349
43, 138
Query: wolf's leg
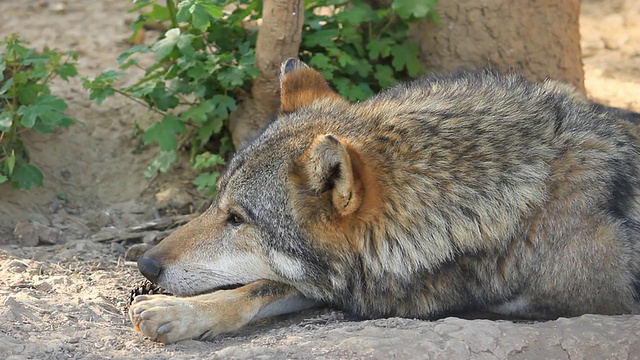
168, 319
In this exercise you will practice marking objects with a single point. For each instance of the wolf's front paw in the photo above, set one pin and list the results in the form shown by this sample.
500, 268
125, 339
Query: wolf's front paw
166, 319
169, 319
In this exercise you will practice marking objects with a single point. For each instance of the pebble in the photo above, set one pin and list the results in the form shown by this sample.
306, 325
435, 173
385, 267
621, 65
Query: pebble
48, 235
118, 248
134, 252
150, 238
173, 198
32, 233
26, 233
17, 266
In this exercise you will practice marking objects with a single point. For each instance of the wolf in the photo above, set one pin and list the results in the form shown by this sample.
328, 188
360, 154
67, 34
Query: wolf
471, 191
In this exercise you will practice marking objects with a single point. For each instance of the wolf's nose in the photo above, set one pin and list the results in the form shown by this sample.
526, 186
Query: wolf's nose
149, 268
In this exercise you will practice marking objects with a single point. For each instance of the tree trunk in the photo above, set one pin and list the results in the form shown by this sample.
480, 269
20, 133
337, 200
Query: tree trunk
539, 38
278, 39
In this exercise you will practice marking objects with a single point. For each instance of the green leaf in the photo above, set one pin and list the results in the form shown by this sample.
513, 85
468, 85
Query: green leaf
164, 132
45, 128
385, 76
11, 162
207, 183
207, 160
357, 14
200, 112
231, 78
226, 143
3, 179
138, 49
200, 18
34, 58
352, 91
216, 124
159, 13
139, 4
324, 38
29, 90
224, 105
198, 12
379, 47
198, 71
165, 46
101, 87
212, 9
406, 56
48, 108
185, 9
7, 84
361, 67
205, 132
99, 95
6, 119
413, 9
25, 176
321, 61
162, 163
186, 49
162, 98
345, 60
66, 70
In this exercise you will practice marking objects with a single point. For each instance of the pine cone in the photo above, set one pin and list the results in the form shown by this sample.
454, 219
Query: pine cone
146, 287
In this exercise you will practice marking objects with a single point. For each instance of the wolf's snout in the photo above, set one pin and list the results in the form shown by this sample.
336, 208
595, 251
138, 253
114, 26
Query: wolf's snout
149, 267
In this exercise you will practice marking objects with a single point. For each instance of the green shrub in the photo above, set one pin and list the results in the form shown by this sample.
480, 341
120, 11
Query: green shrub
26, 103
359, 49
204, 61
201, 64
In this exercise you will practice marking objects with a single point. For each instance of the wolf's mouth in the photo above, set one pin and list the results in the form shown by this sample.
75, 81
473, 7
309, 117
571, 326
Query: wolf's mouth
223, 287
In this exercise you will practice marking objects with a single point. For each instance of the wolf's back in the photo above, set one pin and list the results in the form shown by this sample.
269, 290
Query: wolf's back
528, 190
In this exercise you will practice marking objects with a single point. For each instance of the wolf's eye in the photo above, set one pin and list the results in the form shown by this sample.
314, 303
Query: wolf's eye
235, 219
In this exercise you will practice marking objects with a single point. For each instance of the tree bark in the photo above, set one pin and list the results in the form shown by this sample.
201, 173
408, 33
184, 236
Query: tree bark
278, 39
538, 38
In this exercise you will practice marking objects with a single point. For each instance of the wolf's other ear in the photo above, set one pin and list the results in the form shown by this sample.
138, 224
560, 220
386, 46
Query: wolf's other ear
329, 167
301, 85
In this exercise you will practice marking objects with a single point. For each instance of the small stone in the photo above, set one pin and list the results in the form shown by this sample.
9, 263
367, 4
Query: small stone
39, 218
17, 266
117, 247
103, 219
59, 8
43, 286
26, 233
614, 42
150, 238
47, 235
56, 206
136, 251
65, 173
173, 198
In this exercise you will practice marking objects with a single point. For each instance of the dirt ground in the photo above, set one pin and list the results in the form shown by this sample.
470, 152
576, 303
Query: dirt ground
66, 300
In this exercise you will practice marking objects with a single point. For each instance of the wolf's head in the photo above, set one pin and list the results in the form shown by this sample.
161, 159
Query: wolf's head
287, 200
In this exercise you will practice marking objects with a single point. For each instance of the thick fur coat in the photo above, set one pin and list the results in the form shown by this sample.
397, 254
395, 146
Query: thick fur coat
465, 192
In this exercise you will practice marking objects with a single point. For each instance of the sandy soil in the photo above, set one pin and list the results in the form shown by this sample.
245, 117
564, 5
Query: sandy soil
66, 300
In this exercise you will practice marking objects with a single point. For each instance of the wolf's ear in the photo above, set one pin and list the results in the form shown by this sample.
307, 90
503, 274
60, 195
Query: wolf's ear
328, 167
301, 85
